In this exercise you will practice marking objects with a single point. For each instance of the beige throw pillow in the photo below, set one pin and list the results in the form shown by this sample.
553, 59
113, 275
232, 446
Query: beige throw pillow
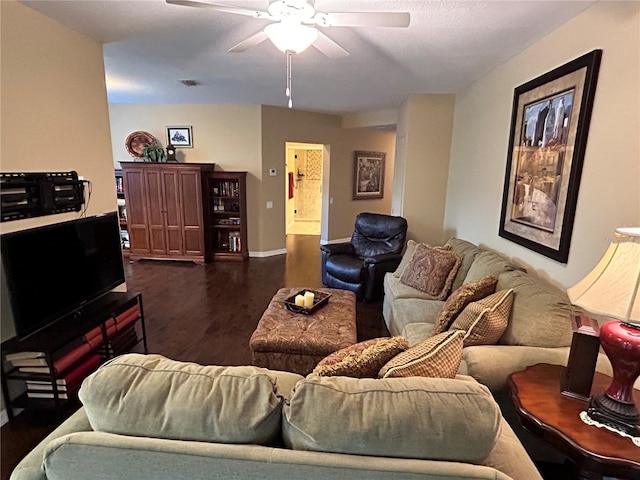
362, 360
431, 270
486, 320
460, 298
437, 356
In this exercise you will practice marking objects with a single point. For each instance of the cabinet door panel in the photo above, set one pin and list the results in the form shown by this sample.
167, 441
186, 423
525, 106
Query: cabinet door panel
155, 212
191, 212
135, 194
172, 211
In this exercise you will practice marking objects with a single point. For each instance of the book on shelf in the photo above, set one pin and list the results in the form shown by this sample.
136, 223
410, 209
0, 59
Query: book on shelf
45, 386
61, 395
23, 355
75, 376
35, 369
28, 362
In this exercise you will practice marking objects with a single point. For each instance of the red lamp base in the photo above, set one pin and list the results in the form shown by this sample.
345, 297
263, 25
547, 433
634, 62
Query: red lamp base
616, 408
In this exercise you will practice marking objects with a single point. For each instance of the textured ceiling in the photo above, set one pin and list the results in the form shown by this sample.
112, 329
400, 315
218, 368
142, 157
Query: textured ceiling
149, 46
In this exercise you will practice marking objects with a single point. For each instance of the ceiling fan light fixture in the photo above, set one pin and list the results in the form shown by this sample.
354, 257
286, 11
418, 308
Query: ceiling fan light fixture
291, 36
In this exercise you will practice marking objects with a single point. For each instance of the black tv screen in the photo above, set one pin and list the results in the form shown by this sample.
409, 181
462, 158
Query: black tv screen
53, 270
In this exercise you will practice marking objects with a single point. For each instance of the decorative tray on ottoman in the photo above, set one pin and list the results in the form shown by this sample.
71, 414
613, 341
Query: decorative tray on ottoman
320, 299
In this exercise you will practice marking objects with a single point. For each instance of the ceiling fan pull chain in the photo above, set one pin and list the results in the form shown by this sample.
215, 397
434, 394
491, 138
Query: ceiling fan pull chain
288, 91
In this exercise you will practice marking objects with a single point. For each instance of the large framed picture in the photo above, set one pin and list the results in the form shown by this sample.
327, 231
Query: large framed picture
368, 175
549, 127
180, 137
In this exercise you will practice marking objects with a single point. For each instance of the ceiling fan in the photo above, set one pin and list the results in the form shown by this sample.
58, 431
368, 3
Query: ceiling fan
295, 23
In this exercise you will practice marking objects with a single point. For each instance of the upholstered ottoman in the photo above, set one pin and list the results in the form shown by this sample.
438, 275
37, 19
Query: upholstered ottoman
295, 342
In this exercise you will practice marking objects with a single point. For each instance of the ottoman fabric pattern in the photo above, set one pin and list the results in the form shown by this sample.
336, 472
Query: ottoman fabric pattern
284, 340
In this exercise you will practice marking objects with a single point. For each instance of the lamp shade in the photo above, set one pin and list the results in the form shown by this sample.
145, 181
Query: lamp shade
611, 288
291, 35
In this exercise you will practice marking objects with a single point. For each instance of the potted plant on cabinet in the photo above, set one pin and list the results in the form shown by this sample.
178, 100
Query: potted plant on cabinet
153, 153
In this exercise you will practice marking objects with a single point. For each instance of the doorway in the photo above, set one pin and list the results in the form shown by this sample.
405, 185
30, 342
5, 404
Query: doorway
303, 188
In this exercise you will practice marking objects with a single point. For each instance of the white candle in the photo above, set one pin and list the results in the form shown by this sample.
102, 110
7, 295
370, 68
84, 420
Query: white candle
299, 301
308, 299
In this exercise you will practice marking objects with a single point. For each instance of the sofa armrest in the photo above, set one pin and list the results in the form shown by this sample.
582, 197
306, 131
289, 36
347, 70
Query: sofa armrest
491, 365
337, 248
30, 467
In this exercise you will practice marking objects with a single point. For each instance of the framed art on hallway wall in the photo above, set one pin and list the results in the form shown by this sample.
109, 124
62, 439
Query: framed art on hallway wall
368, 175
549, 127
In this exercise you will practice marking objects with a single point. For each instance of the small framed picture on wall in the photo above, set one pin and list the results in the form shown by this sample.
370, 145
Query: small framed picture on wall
180, 137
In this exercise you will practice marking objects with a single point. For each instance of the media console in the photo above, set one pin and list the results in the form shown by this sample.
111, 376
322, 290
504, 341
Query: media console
49, 365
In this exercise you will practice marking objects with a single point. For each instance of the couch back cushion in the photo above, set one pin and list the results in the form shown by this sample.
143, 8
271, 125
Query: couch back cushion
468, 251
152, 396
412, 417
541, 313
489, 263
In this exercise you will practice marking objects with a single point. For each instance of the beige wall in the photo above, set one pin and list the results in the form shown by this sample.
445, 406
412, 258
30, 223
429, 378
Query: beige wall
281, 125
227, 135
422, 164
54, 112
610, 188
253, 138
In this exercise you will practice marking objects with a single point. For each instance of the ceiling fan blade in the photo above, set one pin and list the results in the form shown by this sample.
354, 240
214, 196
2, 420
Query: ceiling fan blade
220, 8
363, 19
247, 43
328, 47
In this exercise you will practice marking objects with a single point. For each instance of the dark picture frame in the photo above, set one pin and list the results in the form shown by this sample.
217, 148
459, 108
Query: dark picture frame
368, 175
549, 128
180, 137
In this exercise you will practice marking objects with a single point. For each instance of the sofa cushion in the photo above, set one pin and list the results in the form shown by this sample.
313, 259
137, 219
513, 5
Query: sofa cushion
152, 396
489, 263
486, 320
414, 417
460, 298
541, 313
362, 360
437, 356
432, 271
468, 251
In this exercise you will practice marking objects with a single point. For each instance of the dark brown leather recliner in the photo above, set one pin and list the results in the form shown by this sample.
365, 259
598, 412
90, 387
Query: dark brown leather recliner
360, 265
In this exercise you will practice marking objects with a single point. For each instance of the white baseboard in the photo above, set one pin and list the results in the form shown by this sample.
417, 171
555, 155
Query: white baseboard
270, 253
337, 240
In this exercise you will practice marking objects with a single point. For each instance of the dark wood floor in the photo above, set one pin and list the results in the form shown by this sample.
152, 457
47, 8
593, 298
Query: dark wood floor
206, 314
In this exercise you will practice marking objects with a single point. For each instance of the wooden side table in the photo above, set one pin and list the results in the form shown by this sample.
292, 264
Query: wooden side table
555, 418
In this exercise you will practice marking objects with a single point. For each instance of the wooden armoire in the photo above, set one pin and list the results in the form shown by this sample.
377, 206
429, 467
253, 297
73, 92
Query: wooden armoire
165, 210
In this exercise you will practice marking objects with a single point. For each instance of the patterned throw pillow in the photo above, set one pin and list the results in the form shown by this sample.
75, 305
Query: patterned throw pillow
362, 360
460, 298
485, 320
431, 270
438, 356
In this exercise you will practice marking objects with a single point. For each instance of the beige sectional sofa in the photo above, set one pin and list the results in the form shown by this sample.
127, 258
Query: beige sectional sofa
148, 417
539, 328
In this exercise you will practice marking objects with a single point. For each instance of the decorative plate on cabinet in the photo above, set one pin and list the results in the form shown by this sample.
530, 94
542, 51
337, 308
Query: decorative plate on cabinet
136, 141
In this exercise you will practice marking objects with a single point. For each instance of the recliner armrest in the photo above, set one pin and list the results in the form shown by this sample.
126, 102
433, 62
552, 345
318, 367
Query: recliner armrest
338, 248
383, 257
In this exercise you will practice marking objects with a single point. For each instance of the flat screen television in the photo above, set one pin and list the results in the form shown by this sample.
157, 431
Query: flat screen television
53, 270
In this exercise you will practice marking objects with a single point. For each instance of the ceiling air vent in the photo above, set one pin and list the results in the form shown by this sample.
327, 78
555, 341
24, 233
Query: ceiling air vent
189, 83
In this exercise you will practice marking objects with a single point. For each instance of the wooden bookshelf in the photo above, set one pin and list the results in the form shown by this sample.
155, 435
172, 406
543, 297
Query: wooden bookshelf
226, 213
